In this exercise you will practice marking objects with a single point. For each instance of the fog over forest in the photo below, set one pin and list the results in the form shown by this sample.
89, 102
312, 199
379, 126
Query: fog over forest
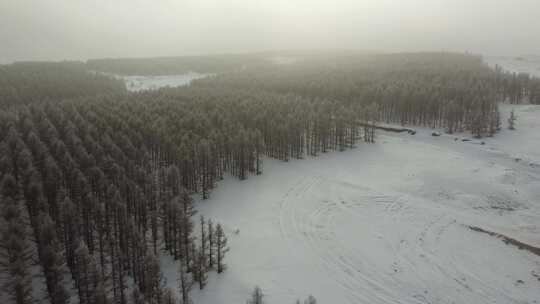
66, 29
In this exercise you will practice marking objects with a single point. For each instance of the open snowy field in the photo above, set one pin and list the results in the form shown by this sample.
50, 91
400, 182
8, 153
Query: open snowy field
387, 223
141, 83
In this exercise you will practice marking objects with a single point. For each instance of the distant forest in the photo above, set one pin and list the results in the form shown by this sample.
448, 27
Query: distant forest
173, 65
96, 184
27, 82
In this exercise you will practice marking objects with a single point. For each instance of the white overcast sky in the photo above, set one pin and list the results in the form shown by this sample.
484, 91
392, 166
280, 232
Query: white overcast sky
81, 29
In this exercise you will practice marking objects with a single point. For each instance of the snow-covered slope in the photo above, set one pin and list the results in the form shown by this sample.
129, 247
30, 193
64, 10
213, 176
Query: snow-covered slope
387, 223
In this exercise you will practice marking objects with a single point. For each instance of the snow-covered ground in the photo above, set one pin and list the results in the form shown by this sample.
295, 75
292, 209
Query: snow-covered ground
387, 223
524, 64
140, 83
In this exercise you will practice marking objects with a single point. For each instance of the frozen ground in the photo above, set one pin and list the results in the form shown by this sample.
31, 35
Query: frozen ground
387, 223
140, 83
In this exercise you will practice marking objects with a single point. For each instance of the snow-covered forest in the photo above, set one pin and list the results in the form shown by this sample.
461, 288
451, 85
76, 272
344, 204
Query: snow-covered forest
336, 177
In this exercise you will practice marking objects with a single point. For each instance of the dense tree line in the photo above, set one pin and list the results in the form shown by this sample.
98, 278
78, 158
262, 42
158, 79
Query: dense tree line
517, 87
457, 92
100, 187
27, 82
79, 198
173, 65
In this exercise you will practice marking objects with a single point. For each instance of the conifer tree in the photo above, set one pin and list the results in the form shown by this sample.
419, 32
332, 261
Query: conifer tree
87, 277
203, 238
310, 300
221, 248
512, 121
153, 279
15, 251
256, 296
52, 261
185, 284
200, 270
186, 224
211, 244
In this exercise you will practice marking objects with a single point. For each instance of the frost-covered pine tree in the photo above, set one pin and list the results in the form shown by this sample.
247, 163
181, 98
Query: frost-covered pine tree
52, 261
199, 268
256, 296
512, 121
204, 237
221, 248
153, 279
211, 243
310, 300
86, 274
186, 226
15, 253
185, 283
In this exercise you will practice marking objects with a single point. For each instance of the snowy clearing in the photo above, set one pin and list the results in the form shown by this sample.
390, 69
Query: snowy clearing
140, 83
387, 223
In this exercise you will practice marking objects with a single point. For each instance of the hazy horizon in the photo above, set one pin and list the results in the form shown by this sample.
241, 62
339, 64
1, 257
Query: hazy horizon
73, 30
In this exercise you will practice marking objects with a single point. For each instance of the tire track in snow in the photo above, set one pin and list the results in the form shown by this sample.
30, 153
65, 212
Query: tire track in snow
289, 220
448, 265
313, 225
